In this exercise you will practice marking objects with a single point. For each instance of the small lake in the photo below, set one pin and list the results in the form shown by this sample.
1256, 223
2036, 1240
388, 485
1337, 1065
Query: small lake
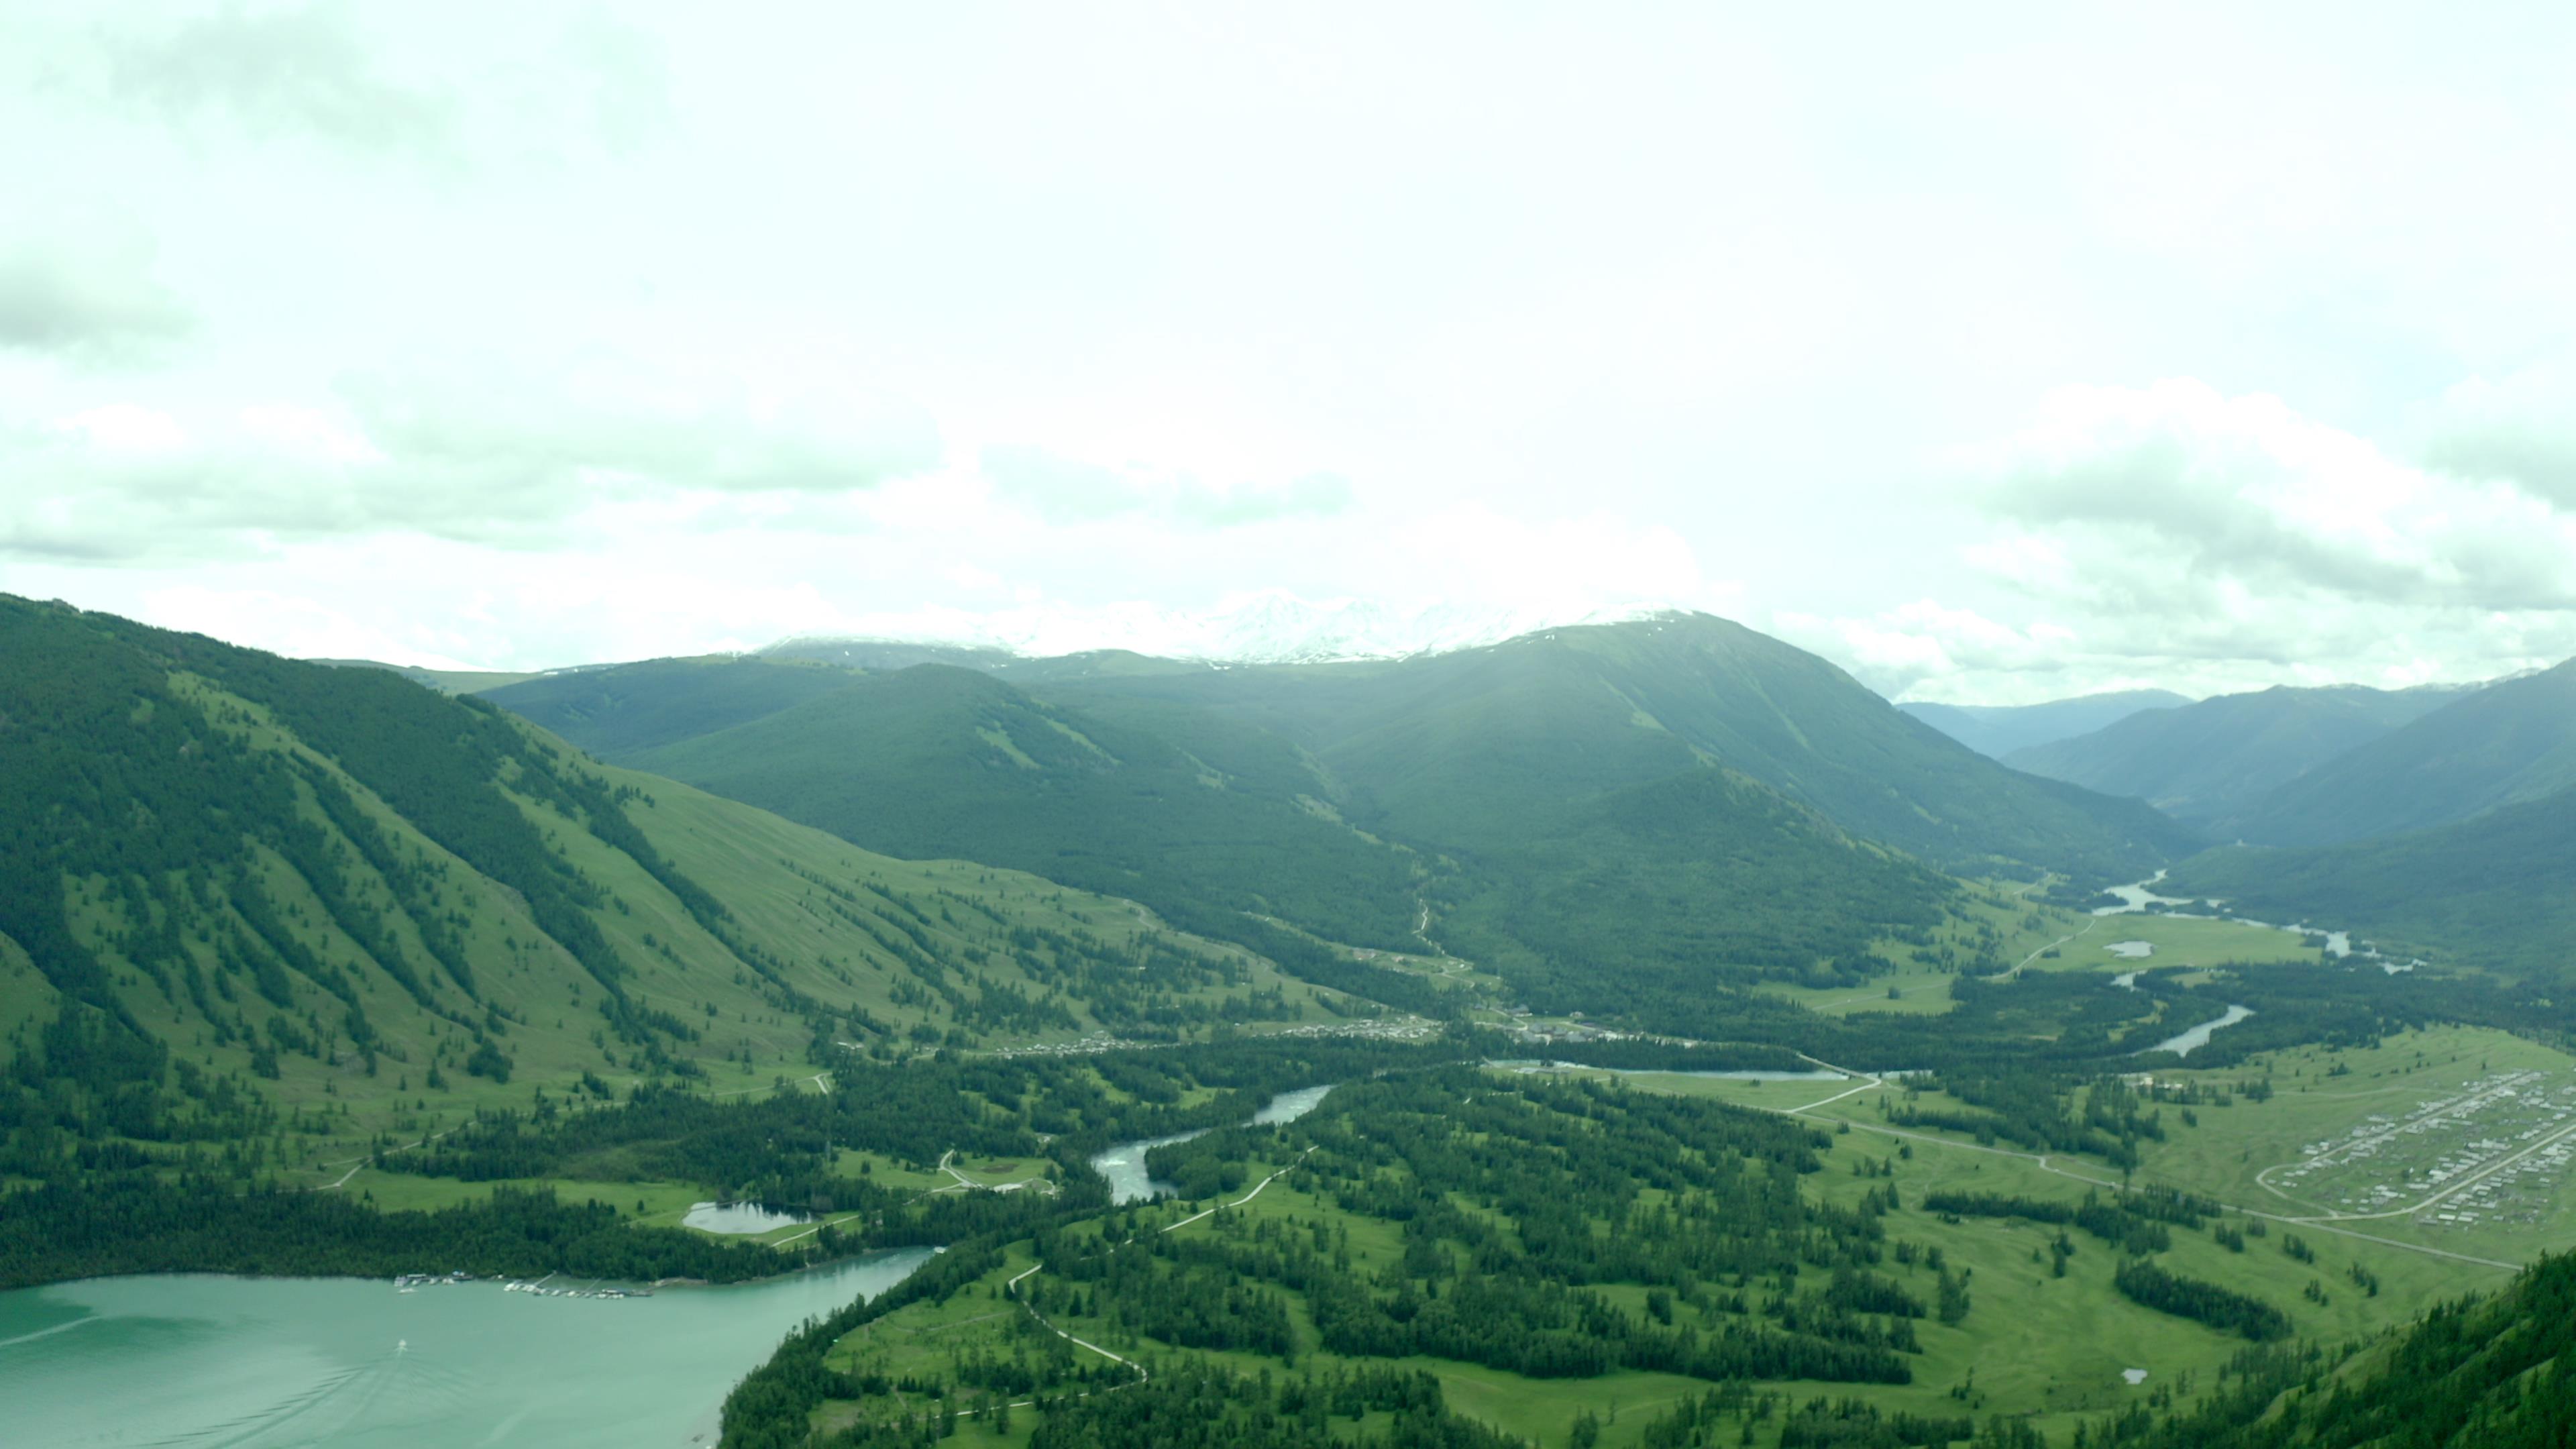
738, 1217
2198, 1036
269, 1363
1124, 1163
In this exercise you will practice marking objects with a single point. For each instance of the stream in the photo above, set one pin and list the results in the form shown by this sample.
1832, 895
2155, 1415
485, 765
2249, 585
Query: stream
1124, 1163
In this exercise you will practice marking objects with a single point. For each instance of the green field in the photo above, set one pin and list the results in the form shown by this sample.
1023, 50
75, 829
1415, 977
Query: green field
2048, 1348
2176, 941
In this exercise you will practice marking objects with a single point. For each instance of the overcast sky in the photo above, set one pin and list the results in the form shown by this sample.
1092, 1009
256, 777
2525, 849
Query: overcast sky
1995, 353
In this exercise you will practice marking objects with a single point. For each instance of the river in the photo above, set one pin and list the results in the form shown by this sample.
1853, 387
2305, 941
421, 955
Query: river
1124, 1163
2136, 898
265, 1363
2181, 1045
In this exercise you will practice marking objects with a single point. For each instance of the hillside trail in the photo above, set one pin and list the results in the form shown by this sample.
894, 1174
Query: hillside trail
2089, 924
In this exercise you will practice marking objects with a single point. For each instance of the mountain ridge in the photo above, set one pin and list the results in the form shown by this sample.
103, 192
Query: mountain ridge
228, 878
1998, 730
2212, 760
2509, 742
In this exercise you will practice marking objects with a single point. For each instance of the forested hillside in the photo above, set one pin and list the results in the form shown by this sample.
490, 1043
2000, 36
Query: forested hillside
1602, 816
240, 894
2493, 1374
616, 712
1459, 748
2208, 763
940, 761
1581, 891
1625, 902
2509, 742
2497, 891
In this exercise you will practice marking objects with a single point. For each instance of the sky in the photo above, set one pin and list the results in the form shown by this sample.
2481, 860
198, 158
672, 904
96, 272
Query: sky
1996, 353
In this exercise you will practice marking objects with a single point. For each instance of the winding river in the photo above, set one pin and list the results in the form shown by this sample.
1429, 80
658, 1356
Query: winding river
2136, 898
1124, 1163
266, 1363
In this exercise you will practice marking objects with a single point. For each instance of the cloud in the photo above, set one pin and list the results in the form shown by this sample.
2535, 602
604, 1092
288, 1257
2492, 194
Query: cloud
89, 294
493, 459
2211, 543
2120, 494
378, 83
280, 72
1062, 489
605, 423
2521, 430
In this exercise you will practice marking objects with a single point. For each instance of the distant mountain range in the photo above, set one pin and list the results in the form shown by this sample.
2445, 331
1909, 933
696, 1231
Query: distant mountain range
2450, 830
2512, 741
1265, 628
1448, 742
1999, 729
1677, 795
2209, 763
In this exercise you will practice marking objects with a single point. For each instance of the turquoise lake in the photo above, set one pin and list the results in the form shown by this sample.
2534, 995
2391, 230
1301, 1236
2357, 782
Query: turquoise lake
263, 1363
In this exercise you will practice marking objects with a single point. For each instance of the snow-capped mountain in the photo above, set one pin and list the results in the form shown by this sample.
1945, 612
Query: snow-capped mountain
1264, 628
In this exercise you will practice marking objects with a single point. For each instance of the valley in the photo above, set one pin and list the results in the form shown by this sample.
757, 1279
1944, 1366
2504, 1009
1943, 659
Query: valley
1570, 1040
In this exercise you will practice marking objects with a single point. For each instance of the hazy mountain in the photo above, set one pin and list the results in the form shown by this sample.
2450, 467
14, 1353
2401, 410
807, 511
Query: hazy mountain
2511, 741
2214, 759
2000, 729
1265, 628
938, 761
310, 875
1601, 812
2491, 891
615, 712
1463, 747
445, 681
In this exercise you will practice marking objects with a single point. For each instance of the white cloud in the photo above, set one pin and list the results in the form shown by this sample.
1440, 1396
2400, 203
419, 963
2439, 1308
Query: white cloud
1579, 312
2177, 486
1062, 489
2520, 429
2214, 543
493, 456
371, 83
87, 292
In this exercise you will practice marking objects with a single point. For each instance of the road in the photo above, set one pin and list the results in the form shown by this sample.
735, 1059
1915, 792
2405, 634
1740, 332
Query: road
1247, 1197
1013, 1288
2089, 923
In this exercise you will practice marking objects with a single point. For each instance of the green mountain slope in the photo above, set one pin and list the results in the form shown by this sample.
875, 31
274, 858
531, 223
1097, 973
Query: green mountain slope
2498, 1373
1646, 896
238, 891
619, 711
940, 761
1997, 730
2213, 760
445, 681
1558, 841
1459, 748
2497, 891
2508, 742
